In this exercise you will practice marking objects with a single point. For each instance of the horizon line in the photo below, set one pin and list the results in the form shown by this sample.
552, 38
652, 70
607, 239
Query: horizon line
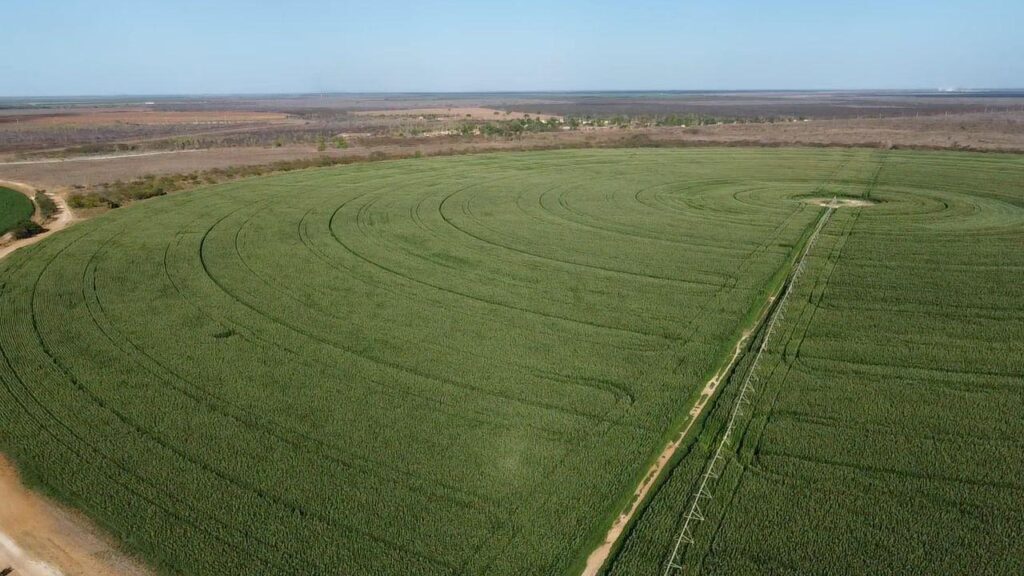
928, 90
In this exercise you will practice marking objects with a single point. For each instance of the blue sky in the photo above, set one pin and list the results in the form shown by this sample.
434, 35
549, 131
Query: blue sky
78, 47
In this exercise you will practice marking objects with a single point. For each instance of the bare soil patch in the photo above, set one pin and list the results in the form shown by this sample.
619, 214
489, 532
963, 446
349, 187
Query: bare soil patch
840, 202
41, 538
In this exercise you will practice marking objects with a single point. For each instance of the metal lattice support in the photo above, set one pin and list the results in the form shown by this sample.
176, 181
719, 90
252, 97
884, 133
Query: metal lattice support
695, 514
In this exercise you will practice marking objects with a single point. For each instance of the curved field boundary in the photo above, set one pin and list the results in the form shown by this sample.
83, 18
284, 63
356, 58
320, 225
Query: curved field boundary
63, 218
457, 365
14, 207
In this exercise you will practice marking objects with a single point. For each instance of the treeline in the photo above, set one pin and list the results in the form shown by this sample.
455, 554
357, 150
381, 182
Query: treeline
26, 229
678, 120
509, 128
256, 138
118, 193
517, 127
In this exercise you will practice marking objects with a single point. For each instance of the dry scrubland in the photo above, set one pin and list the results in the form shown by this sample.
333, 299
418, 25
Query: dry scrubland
466, 365
449, 113
977, 131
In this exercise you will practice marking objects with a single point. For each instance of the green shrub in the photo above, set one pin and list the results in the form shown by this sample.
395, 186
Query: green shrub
47, 207
88, 200
26, 229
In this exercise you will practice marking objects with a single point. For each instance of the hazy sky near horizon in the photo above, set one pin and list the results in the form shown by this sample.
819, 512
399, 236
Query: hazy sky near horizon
80, 47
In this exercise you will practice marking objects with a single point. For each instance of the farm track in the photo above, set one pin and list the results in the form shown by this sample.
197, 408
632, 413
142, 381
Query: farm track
772, 314
73, 546
95, 158
599, 557
694, 514
872, 393
63, 218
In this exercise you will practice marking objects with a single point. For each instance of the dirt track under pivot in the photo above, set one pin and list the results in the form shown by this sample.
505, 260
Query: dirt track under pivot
599, 556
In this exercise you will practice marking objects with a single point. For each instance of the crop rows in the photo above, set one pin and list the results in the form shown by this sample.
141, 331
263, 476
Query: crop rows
15, 208
885, 434
444, 366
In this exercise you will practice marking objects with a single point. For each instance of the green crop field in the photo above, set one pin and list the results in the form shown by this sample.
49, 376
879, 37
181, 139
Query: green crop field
14, 208
466, 365
885, 432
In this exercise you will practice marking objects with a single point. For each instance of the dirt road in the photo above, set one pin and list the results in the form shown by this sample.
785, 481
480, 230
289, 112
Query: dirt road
40, 538
94, 158
37, 537
62, 219
600, 554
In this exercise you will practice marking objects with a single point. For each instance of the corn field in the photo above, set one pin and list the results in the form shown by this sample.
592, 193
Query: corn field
465, 365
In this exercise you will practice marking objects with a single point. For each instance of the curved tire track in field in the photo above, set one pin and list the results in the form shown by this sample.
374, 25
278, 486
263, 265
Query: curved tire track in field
438, 287
296, 268
86, 451
363, 356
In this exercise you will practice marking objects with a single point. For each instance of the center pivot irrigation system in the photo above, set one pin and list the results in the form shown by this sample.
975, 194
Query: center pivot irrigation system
716, 465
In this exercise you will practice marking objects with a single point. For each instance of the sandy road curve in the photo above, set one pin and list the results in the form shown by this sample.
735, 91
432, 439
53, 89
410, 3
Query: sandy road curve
41, 538
38, 537
62, 219
94, 158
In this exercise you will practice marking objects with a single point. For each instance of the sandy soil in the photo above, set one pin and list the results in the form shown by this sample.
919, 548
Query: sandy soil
600, 554
94, 158
62, 219
41, 538
840, 202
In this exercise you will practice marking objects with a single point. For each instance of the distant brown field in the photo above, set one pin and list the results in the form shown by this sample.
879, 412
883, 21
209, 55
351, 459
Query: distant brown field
142, 117
995, 132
